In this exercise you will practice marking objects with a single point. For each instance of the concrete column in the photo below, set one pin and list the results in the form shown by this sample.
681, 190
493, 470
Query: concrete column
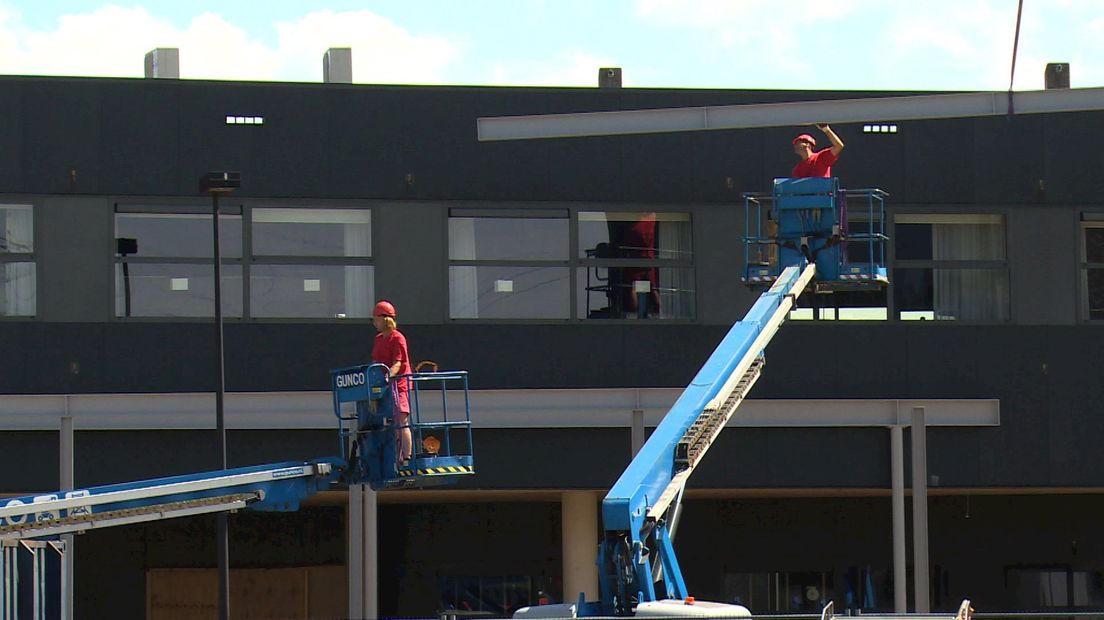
579, 511
897, 466
66, 479
920, 511
363, 553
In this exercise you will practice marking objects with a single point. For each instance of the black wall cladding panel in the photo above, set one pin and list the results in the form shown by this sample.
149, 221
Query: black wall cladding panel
290, 149
1071, 163
869, 160
12, 175
1008, 159
63, 122
348, 141
937, 168
207, 143
140, 150
27, 461
794, 458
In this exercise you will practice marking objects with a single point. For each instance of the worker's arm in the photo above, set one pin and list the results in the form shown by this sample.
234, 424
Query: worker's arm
396, 367
837, 144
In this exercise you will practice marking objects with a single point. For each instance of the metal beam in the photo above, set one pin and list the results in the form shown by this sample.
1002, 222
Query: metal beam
66, 479
530, 408
897, 475
865, 110
921, 591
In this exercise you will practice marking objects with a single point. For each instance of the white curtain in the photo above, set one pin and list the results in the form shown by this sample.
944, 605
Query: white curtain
969, 294
674, 239
19, 278
463, 281
359, 280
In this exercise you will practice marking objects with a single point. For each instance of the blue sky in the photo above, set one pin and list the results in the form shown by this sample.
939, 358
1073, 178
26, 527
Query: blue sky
811, 44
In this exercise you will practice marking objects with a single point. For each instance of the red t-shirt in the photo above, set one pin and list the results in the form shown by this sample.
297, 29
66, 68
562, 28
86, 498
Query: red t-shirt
388, 349
819, 164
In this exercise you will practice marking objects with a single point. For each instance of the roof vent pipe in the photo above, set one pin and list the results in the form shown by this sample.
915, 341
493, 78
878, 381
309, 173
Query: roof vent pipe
337, 65
163, 62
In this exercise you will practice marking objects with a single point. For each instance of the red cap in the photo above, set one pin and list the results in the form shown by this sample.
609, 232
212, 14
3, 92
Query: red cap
384, 308
805, 138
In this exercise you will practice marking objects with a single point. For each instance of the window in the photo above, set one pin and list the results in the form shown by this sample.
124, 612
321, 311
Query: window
950, 267
530, 264
1092, 265
1054, 586
164, 261
311, 263
18, 282
290, 263
495, 596
635, 265
780, 592
509, 264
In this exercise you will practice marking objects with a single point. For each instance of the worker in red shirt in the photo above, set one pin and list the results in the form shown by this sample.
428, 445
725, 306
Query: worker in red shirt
390, 350
819, 163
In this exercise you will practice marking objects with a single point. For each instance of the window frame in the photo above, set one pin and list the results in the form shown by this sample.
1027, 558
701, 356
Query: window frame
189, 207
242, 209
294, 260
507, 211
1087, 219
30, 257
573, 262
961, 211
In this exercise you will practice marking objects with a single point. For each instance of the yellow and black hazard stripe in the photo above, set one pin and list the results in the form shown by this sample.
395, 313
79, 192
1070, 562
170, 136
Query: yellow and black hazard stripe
438, 471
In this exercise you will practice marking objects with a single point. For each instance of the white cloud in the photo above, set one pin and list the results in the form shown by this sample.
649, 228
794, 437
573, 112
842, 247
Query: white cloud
747, 16
382, 51
212, 48
112, 41
876, 44
568, 68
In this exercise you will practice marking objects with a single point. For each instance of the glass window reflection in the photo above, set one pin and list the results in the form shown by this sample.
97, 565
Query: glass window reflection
312, 232
175, 290
635, 235
179, 235
311, 291
503, 292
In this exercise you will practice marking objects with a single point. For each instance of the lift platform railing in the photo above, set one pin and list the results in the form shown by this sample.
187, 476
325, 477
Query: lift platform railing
364, 407
802, 218
432, 456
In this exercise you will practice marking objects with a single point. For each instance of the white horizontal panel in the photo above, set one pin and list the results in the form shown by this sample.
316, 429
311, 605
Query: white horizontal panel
866, 110
580, 408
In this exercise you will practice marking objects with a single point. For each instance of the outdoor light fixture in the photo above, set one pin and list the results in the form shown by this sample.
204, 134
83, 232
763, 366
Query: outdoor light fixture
219, 182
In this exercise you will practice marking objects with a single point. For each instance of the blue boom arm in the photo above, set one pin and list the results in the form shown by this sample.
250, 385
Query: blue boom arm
636, 548
367, 439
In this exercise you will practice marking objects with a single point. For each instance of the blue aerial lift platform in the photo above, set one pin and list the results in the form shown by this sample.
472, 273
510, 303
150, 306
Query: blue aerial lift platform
797, 240
367, 456
841, 231
442, 447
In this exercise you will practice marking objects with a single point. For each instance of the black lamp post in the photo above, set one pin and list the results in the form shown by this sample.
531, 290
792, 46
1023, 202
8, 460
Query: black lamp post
215, 183
125, 247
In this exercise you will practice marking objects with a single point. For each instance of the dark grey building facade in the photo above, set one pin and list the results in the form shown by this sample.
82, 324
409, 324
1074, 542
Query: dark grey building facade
491, 252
